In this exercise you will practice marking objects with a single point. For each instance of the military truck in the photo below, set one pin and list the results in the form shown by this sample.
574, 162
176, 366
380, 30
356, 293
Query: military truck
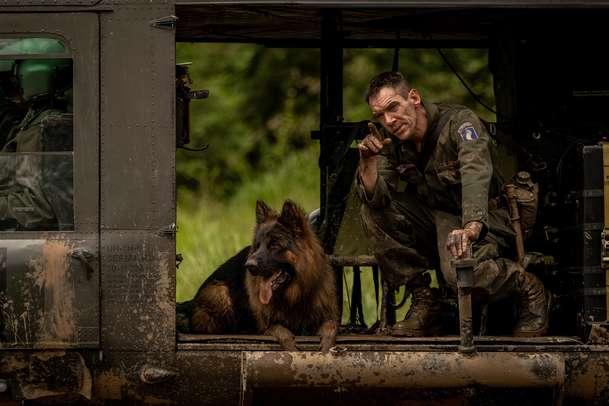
88, 207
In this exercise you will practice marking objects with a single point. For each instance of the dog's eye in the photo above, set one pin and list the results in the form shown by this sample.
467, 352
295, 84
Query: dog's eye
273, 243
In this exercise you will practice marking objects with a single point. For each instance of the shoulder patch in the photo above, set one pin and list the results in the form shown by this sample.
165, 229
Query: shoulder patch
468, 132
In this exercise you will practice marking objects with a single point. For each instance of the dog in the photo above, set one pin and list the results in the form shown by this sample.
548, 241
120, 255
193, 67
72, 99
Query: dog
283, 283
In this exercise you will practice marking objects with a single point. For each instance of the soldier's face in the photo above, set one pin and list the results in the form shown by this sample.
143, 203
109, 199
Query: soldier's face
396, 112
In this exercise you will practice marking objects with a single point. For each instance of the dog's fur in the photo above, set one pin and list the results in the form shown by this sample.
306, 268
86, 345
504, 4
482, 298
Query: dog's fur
221, 305
282, 284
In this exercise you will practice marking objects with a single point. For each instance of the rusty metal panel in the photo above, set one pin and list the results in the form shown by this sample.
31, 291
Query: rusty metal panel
49, 293
230, 377
45, 374
50, 280
210, 378
118, 376
402, 369
138, 125
138, 291
184, 378
588, 375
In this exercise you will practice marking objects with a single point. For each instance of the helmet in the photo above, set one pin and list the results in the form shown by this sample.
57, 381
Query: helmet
38, 77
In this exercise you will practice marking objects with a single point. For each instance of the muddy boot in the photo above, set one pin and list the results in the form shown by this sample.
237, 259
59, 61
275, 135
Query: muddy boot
423, 317
534, 305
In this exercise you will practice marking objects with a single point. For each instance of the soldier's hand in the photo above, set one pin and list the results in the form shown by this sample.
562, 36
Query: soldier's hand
373, 144
459, 240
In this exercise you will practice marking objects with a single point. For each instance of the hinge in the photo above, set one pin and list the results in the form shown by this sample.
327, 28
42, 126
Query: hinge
165, 23
168, 231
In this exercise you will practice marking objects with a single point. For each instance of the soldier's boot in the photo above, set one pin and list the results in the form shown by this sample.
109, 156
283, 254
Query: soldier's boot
423, 317
534, 306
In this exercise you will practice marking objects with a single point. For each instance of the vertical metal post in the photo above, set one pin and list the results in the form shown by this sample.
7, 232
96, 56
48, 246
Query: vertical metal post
331, 97
338, 274
356, 317
465, 281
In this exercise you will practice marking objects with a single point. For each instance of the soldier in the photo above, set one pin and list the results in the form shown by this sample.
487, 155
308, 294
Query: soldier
36, 189
425, 180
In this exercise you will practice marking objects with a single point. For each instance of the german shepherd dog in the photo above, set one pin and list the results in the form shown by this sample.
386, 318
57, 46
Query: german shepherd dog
282, 284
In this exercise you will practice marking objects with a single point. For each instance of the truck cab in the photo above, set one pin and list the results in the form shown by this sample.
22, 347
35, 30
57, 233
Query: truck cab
89, 123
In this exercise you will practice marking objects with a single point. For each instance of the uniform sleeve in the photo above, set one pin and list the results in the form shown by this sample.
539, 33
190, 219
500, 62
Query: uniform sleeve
476, 168
27, 209
386, 182
23, 204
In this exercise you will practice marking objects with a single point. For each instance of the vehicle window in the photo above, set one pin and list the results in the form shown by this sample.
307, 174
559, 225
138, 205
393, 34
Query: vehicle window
36, 140
31, 46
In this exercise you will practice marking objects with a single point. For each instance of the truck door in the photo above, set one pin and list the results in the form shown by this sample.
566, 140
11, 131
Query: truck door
49, 180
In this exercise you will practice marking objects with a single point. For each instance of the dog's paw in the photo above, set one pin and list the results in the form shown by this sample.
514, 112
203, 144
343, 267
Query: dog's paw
284, 336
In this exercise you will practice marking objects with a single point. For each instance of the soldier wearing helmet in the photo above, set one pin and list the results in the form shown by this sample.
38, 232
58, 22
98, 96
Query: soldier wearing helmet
36, 191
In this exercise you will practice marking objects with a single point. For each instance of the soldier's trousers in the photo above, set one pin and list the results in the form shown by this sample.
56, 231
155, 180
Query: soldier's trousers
407, 238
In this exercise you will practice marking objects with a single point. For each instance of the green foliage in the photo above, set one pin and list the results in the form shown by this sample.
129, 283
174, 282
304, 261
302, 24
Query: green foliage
426, 71
262, 106
264, 102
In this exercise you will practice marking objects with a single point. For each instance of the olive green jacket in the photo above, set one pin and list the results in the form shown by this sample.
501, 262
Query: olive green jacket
457, 177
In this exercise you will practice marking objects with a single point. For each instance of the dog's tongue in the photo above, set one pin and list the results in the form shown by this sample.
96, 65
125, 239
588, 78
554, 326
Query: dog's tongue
266, 290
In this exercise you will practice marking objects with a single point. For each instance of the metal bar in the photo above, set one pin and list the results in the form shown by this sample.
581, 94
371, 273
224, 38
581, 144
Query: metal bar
465, 320
357, 310
465, 281
357, 284
331, 97
338, 274
389, 297
371, 338
360, 260
403, 370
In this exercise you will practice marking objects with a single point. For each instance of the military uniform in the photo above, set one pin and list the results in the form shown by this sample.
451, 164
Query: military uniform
36, 189
420, 198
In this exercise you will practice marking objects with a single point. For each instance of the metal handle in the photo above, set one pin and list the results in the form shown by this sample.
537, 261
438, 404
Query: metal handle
85, 257
465, 281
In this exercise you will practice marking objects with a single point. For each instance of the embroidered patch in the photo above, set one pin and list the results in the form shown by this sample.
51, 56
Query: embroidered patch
468, 132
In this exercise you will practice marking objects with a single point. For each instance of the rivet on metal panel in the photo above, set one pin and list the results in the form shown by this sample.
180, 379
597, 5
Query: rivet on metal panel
153, 375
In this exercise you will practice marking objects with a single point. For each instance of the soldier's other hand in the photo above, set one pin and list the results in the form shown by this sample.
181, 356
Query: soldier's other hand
459, 240
373, 144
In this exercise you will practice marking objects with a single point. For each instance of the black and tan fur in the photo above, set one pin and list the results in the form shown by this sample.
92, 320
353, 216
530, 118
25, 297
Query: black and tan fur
287, 281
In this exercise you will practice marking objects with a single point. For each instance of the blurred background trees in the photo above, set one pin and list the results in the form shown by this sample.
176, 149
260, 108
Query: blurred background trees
263, 105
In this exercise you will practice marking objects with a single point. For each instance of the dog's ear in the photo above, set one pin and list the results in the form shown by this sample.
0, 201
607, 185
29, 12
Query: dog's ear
293, 217
263, 212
